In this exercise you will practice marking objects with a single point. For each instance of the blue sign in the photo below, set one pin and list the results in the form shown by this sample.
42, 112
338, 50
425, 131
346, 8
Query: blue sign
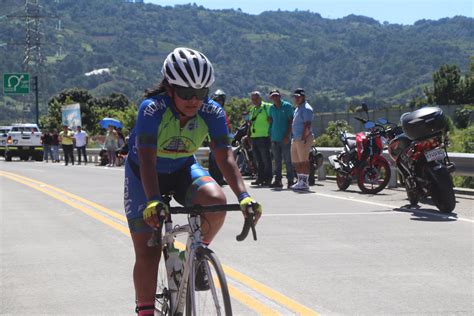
71, 115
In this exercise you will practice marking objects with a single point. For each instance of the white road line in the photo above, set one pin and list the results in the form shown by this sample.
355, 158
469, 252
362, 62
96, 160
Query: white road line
332, 214
398, 208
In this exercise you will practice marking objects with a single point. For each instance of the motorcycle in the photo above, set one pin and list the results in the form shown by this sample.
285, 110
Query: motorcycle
316, 160
362, 159
243, 151
419, 149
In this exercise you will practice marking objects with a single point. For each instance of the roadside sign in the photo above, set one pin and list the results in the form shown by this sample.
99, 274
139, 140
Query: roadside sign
16, 83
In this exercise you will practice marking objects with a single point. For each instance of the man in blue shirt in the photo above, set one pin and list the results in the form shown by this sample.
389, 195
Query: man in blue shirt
281, 117
302, 139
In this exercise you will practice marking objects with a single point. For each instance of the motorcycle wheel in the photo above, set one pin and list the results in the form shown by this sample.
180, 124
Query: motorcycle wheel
374, 178
441, 189
343, 181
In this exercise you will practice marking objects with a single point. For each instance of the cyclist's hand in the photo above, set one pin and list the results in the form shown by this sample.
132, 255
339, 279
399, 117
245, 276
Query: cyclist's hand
247, 203
153, 211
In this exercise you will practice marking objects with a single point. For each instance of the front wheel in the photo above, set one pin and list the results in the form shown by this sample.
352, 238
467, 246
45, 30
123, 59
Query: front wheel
213, 299
163, 297
343, 181
374, 177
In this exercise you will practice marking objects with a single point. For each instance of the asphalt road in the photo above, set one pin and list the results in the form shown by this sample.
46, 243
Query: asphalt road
64, 249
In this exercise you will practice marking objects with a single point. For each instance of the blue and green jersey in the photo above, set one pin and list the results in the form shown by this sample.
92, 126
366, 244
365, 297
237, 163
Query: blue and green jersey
158, 127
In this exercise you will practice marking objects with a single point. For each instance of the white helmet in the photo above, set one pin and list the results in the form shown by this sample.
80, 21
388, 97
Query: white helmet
187, 67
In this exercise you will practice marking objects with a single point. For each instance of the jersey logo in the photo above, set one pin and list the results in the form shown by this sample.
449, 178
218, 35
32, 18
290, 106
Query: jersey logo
213, 109
152, 107
178, 145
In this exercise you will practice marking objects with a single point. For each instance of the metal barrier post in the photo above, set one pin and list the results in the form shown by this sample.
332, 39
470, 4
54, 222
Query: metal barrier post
322, 173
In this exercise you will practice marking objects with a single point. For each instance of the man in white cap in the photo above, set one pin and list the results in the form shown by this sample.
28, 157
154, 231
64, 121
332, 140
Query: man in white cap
302, 139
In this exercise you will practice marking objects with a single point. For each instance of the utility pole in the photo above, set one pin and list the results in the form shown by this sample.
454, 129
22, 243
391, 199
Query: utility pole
33, 60
36, 99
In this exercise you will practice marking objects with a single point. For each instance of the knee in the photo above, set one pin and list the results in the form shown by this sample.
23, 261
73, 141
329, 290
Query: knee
216, 197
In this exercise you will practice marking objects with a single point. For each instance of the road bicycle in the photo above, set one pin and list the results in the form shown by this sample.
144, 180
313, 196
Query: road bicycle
177, 289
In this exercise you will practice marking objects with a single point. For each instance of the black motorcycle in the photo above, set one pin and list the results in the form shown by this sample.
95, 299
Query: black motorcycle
316, 160
419, 149
243, 152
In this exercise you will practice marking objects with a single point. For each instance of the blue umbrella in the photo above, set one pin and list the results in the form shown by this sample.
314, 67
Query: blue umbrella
106, 121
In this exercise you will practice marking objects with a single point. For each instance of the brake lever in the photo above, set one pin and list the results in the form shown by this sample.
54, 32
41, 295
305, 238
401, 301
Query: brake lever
249, 223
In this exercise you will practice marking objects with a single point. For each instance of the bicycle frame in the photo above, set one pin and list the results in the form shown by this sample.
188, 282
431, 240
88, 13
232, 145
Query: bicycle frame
174, 300
177, 299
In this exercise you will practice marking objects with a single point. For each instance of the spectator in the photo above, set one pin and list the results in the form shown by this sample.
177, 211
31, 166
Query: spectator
219, 96
111, 145
302, 139
260, 137
82, 140
66, 137
47, 141
55, 145
122, 153
120, 138
281, 118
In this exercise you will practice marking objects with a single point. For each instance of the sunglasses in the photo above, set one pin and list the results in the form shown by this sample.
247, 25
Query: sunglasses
187, 93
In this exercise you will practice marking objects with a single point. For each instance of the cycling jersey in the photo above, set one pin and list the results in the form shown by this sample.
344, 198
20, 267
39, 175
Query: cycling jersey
178, 172
158, 127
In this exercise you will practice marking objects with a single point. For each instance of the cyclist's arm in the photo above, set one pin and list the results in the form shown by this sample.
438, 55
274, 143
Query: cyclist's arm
227, 165
220, 146
148, 121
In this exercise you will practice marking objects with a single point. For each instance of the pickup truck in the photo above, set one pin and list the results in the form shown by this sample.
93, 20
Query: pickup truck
3, 138
24, 141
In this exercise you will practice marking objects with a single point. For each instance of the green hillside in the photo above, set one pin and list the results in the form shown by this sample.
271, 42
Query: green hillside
352, 57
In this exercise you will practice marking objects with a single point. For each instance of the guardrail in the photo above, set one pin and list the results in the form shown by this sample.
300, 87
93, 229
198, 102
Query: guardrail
93, 155
464, 162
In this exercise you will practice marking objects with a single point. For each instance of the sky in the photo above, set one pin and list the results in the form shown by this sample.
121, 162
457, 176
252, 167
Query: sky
393, 11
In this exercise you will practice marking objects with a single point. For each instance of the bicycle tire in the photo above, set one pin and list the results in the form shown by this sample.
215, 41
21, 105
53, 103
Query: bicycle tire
162, 300
204, 298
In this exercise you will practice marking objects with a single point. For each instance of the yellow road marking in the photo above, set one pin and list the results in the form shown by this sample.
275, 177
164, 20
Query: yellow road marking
238, 295
78, 198
75, 205
244, 298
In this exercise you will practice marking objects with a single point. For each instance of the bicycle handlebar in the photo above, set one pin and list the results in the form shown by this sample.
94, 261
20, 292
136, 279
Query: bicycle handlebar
198, 209
248, 223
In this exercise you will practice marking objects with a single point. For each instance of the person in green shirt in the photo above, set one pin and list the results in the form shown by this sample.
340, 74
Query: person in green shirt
260, 137
66, 137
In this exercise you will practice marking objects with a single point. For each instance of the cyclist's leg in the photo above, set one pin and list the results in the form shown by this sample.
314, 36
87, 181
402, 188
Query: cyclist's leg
202, 189
146, 258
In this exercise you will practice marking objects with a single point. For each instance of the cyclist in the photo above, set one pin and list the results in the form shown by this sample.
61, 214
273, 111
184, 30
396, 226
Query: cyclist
173, 120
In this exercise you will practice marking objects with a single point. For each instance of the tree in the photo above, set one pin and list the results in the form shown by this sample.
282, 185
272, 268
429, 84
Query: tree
331, 136
446, 82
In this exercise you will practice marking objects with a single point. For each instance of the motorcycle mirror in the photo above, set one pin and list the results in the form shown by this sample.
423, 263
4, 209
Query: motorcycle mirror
369, 125
383, 121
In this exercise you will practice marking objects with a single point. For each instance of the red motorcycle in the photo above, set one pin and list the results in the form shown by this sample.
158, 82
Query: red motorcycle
362, 160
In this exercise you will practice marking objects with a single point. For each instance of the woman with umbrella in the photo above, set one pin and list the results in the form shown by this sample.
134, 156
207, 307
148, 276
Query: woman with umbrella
172, 122
111, 144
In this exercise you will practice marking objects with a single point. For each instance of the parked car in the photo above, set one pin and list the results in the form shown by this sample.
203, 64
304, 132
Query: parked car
3, 138
24, 141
